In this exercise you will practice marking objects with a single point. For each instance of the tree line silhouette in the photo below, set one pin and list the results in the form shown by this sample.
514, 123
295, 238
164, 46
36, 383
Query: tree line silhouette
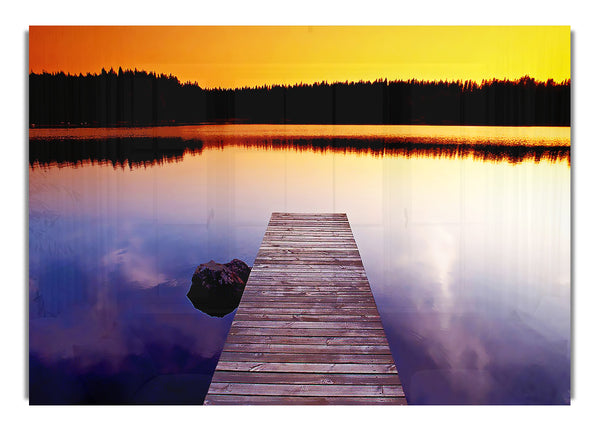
139, 98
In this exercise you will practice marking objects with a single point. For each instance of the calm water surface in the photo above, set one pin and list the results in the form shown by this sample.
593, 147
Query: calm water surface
464, 234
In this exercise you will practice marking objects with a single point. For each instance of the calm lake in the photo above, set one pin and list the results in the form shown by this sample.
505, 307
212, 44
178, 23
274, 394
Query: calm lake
464, 234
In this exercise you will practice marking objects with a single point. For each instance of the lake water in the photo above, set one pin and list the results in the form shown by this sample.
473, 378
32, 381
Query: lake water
464, 234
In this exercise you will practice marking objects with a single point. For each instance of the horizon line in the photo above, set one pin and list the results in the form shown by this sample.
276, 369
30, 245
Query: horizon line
301, 83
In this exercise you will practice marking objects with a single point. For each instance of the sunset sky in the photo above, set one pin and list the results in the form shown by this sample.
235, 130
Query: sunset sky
247, 56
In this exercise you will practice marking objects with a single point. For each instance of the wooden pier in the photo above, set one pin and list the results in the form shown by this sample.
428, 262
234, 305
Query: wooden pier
307, 330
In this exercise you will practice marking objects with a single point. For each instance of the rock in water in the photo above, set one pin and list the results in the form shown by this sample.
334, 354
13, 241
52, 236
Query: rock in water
217, 288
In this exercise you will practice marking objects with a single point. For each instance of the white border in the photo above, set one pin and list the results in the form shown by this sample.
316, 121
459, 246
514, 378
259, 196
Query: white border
585, 156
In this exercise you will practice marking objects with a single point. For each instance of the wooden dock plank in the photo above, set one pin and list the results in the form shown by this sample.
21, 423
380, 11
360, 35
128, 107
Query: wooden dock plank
292, 339
305, 308
291, 367
305, 325
309, 318
318, 332
305, 378
308, 358
290, 347
307, 330
299, 400
296, 389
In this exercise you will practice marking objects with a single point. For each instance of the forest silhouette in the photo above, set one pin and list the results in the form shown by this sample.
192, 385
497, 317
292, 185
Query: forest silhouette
139, 98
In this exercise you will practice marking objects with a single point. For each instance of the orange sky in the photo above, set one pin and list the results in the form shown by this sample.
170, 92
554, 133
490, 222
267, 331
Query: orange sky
247, 56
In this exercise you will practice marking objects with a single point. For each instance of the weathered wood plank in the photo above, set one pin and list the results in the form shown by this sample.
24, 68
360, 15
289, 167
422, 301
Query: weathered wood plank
336, 358
307, 330
300, 400
284, 214
307, 390
308, 261
317, 272
303, 308
303, 267
309, 289
306, 309
306, 240
325, 317
292, 339
319, 256
305, 378
309, 237
307, 282
293, 367
330, 291
302, 297
330, 245
274, 299
296, 296
314, 227
297, 222
349, 349
313, 277
309, 325
307, 230
327, 290
300, 317
303, 301
303, 236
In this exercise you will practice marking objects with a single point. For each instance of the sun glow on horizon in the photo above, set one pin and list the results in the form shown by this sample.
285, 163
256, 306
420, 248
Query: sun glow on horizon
233, 57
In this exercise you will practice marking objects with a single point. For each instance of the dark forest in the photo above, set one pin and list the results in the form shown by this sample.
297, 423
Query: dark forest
139, 98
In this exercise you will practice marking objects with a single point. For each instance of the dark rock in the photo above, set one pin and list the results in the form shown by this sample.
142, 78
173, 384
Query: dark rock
217, 288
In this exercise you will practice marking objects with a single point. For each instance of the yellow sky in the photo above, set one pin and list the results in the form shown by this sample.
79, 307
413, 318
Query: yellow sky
247, 56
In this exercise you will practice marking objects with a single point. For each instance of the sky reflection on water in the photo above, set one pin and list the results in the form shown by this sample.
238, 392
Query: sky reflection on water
468, 261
